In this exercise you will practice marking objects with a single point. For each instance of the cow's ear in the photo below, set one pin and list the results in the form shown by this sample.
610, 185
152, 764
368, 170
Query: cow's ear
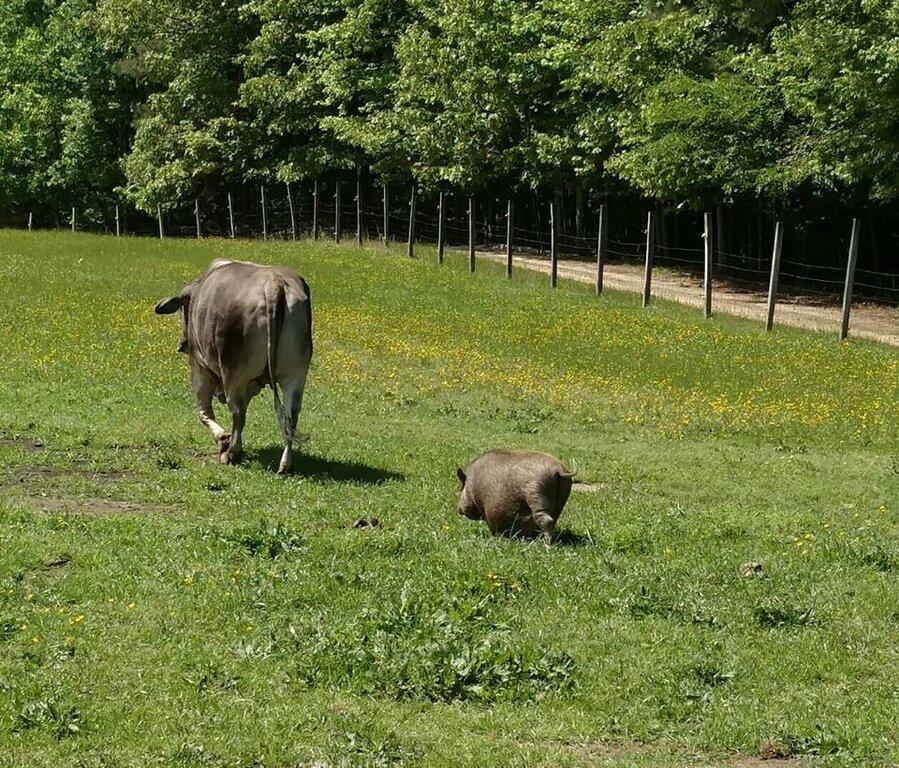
170, 305
461, 475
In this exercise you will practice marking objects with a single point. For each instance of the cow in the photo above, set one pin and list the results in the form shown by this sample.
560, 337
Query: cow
519, 494
244, 327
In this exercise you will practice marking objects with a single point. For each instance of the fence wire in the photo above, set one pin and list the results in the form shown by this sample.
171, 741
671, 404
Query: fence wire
739, 276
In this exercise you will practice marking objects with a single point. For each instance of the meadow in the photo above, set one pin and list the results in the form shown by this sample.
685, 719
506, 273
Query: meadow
724, 590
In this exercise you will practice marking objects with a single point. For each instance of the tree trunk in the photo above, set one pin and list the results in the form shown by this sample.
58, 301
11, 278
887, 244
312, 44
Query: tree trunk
720, 231
875, 251
579, 212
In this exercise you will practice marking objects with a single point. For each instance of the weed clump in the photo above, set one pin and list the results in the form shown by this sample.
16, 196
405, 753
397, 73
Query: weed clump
61, 719
353, 749
269, 539
774, 616
454, 650
876, 556
655, 600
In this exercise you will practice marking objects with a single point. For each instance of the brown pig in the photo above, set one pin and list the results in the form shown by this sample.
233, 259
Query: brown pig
517, 493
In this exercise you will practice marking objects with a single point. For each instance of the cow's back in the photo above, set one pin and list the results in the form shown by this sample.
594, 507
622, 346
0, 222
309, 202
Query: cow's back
228, 327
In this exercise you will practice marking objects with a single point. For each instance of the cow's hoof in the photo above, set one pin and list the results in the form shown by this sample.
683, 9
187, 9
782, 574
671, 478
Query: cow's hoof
231, 457
224, 443
285, 467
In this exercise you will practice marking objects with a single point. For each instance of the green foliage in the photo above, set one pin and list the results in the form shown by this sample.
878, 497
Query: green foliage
189, 132
838, 66
701, 140
64, 110
701, 101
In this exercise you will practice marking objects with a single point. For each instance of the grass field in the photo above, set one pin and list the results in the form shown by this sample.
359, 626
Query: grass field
157, 608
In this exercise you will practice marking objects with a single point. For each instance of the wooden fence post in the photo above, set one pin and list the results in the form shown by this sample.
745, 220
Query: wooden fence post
509, 226
118, 222
850, 278
553, 255
775, 274
197, 217
293, 217
359, 205
73, 218
650, 257
31, 221
471, 260
231, 215
410, 250
707, 245
601, 244
338, 230
441, 218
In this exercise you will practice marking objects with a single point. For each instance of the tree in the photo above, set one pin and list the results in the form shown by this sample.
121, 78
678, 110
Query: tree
470, 82
316, 73
837, 64
704, 141
64, 112
186, 54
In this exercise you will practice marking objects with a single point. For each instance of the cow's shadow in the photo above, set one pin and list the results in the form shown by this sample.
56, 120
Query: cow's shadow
319, 468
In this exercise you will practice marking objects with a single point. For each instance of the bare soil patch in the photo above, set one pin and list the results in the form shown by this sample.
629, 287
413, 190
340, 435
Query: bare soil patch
586, 487
28, 472
94, 507
611, 753
24, 443
56, 561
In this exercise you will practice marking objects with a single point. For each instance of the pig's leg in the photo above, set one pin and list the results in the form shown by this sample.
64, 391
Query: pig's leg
544, 522
546, 525
540, 513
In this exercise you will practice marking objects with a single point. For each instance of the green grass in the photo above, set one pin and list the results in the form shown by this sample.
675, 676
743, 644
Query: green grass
157, 608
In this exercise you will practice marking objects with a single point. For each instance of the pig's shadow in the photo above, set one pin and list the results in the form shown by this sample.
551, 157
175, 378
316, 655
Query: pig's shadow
319, 468
564, 538
568, 538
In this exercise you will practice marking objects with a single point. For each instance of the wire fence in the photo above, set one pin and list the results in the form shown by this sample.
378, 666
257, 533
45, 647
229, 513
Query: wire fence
738, 271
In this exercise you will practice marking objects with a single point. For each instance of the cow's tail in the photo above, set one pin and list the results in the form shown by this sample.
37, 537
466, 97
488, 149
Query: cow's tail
275, 309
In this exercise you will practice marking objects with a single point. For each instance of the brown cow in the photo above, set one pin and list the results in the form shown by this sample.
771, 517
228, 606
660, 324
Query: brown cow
246, 326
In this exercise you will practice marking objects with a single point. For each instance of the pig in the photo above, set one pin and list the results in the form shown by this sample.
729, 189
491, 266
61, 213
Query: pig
518, 494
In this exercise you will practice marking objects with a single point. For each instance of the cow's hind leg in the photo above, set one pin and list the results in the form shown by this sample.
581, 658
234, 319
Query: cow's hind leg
233, 454
204, 385
293, 402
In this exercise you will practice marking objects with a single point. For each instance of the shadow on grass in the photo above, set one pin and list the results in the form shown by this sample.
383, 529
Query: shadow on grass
320, 468
568, 538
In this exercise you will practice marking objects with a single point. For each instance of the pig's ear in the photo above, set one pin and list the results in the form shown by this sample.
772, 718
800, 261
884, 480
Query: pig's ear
461, 475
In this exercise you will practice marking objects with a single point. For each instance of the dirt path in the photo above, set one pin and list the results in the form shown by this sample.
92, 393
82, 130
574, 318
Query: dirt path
871, 321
